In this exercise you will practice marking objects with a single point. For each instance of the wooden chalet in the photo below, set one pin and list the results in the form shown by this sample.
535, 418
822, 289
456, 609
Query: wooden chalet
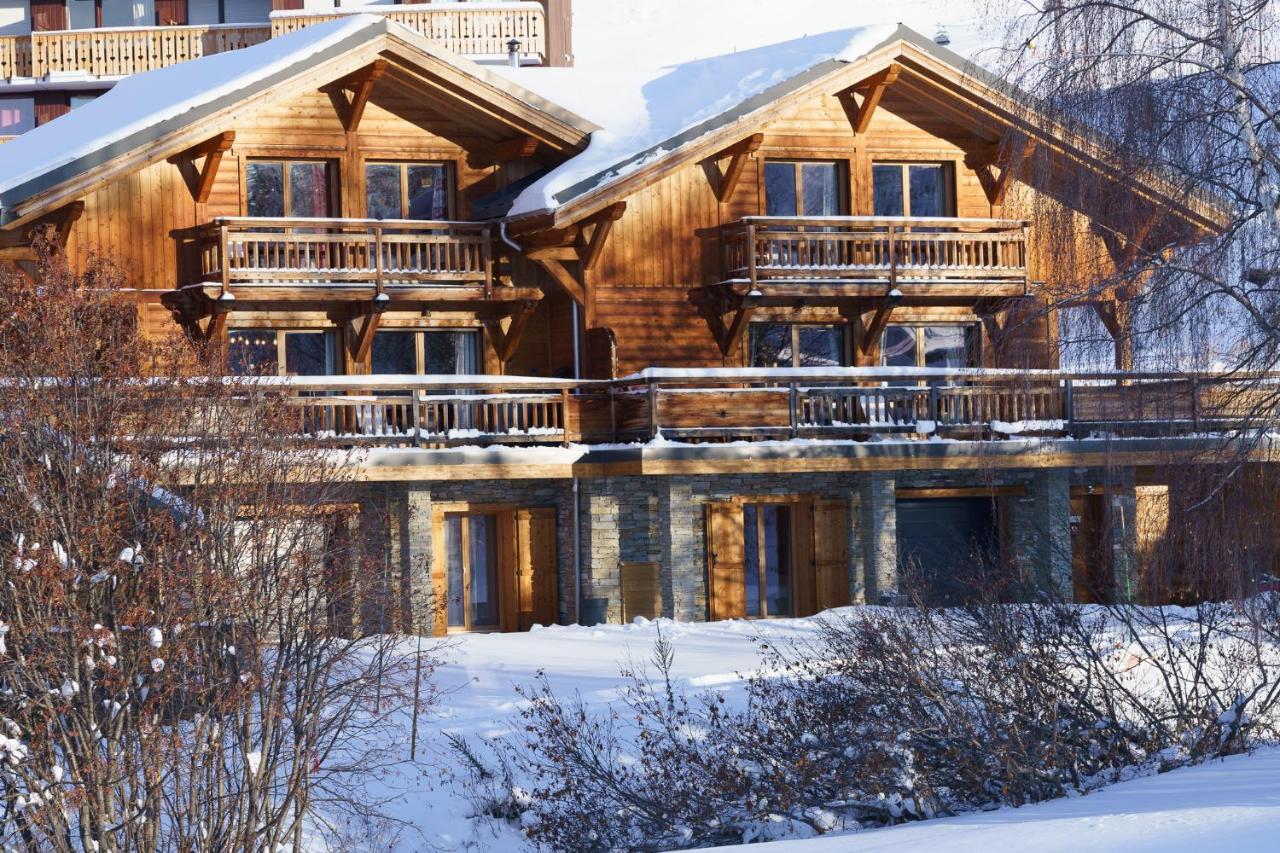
697, 369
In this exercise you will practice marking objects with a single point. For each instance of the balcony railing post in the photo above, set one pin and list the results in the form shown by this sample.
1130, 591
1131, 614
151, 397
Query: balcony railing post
751, 253
224, 261
653, 409
413, 416
893, 257
377, 263
934, 404
1069, 405
794, 406
1195, 404
487, 257
564, 414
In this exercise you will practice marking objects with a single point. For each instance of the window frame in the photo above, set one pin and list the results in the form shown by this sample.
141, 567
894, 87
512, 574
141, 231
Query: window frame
420, 344
948, 183
842, 182
333, 176
330, 339
464, 517
918, 327
788, 553
795, 327
451, 175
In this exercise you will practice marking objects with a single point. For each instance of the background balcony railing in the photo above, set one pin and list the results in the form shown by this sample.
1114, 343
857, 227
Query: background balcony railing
471, 29
746, 404
893, 250
269, 250
120, 51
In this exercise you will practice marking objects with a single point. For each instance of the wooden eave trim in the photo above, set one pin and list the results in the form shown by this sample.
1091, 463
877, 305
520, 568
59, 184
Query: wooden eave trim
177, 141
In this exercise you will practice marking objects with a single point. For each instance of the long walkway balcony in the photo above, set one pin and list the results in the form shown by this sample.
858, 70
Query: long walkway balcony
719, 404
866, 255
113, 52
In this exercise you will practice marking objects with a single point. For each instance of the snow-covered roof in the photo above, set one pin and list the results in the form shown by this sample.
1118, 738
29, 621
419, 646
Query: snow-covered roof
145, 107
645, 113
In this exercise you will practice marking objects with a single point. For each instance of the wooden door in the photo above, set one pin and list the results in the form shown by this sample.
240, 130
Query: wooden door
48, 15
831, 553
726, 592
803, 575
536, 573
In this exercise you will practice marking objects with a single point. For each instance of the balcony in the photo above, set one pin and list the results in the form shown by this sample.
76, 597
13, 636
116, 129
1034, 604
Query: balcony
864, 256
279, 259
718, 405
120, 51
473, 30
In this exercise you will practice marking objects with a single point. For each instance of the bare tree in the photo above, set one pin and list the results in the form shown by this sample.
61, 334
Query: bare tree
178, 669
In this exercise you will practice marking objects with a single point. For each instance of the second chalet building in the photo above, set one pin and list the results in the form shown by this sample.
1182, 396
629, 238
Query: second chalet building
751, 336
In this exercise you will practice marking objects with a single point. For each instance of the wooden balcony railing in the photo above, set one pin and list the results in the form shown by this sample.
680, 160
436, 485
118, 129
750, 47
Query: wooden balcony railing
471, 29
120, 51
735, 404
891, 250
378, 252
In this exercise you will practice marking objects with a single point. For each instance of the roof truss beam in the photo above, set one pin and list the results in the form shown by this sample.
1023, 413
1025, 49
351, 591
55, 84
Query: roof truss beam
199, 180
724, 183
872, 90
350, 108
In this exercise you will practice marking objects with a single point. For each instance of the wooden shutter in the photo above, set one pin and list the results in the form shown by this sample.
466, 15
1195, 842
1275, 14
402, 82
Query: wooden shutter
726, 591
803, 580
439, 576
536, 578
170, 13
641, 592
48, 15
509, 571
51, 105
831, 553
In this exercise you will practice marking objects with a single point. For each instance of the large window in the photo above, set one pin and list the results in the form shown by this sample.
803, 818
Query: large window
471, 570
796, 345
911, 189
279, 352
408, 190
766, 532
929, 346
293, 188
803, 188
428, 352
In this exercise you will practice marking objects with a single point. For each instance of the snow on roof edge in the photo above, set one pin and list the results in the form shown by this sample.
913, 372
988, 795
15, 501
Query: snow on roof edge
305, 47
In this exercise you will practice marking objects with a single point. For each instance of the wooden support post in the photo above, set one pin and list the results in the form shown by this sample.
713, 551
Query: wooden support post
738, 155
603, 225
742, 316
872, 90
351, 110
200, 180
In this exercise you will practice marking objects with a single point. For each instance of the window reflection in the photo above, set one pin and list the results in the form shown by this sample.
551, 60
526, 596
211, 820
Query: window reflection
796, 345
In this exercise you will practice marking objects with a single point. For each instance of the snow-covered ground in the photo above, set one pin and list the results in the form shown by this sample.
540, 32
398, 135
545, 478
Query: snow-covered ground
1231, 805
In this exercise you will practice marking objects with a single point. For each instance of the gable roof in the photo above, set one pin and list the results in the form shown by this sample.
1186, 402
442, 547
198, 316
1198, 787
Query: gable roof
150, 116
658, 120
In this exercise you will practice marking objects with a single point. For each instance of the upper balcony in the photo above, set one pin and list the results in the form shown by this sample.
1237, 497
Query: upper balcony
281, 259
476, 30
866, 255
114, 52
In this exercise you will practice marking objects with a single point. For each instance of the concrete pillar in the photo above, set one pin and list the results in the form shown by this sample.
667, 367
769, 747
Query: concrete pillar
601, 553
857, 565
878, 514
683, 554
1051, 494
413, 528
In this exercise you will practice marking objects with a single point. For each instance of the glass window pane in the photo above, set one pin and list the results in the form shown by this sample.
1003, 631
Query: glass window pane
821, 346
928, 191
751, 561
450, 353
308, 189
454, 585
899, 348
484, 570
306, 354
382, 191
264, 185
428, 191
777, 550
780, 189
393, 352
946, 346
821, 189
887, 190
252, 352
770, 345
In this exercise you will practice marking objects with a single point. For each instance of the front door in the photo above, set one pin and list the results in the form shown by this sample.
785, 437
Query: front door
471, 574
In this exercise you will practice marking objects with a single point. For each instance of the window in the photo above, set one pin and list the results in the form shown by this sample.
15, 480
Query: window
767, 557
929, 346
408, 190
911, 189
796, 345
803, 188
471, 570
428, 352
294, 188
285, 353
17, 114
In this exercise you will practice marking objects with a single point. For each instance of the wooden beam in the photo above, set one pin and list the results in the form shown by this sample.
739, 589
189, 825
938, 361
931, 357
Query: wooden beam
553, 253
506, 341
199, 181
603, 225
741, 317
1124, 249
565, 279
737, 154
879, 320
872, 90
351, 110
1010, 157
17, 253
363, 327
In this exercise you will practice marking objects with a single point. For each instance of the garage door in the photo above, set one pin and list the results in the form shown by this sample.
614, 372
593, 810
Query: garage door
945, 546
